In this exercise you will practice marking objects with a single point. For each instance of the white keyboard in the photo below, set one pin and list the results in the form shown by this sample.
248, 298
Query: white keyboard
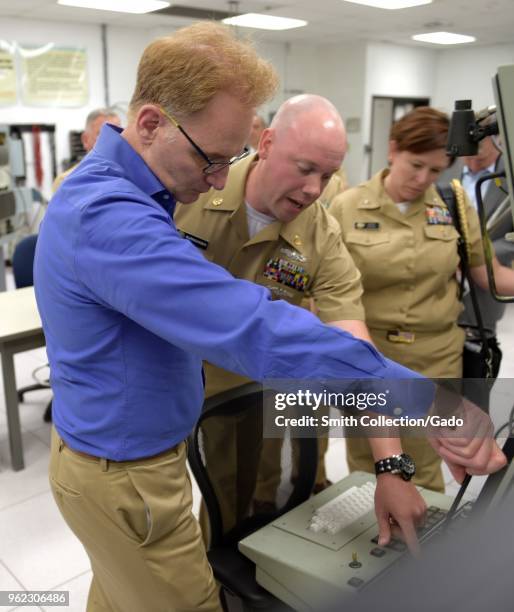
344, 509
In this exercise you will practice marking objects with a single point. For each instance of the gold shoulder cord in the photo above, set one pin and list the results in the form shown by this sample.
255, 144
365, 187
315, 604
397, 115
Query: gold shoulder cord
460, 200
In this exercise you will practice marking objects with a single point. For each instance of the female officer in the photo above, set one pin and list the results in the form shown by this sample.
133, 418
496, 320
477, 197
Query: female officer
402, 239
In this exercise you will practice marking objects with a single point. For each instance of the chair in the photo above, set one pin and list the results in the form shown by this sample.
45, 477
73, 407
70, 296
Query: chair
22, 265
223, 453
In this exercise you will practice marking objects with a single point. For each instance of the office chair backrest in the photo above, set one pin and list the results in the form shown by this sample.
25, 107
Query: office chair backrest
23, 262
224, 453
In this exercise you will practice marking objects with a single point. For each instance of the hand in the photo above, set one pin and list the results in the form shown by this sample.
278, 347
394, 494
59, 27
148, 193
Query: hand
400, 510
474, 451
487, 459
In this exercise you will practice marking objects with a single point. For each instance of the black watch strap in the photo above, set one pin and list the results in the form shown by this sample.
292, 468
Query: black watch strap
403, 465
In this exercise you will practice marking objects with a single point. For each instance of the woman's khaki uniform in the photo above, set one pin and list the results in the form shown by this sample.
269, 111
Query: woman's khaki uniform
409, 265
298, 261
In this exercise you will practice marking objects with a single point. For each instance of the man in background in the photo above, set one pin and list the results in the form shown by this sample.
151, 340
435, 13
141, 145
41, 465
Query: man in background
258, 126
469, 170
94, 122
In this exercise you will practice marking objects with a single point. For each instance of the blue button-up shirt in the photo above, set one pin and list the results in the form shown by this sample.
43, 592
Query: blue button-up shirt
130, 309
470, 179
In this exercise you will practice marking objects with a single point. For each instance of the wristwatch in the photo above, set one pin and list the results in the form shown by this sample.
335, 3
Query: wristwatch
403, 465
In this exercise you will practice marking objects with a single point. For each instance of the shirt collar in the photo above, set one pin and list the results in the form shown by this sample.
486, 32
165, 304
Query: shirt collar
232, 196
111, 145
380, 198
490, 169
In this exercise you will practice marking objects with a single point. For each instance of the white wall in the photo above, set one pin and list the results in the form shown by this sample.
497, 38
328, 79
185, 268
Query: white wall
124, 48
276, 53
396, 71
341, 71
466, 73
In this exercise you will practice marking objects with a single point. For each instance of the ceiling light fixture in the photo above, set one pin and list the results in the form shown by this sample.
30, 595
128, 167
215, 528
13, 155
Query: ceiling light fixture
444, 38
390, 4
264, 22
126, 6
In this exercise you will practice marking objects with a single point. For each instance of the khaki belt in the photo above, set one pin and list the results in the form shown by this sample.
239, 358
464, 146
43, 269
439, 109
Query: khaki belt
402, 337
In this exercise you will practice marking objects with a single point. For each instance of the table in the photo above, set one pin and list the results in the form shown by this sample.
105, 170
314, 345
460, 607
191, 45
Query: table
20, 330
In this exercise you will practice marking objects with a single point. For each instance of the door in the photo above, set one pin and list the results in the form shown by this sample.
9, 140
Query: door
384, 112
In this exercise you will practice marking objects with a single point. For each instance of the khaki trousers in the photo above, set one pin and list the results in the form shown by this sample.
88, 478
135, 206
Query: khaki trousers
436, 355
134, 519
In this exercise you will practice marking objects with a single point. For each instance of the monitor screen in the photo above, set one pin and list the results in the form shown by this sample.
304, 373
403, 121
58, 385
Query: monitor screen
503, 86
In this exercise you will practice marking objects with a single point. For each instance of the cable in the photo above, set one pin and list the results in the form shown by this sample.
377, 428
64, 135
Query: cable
457, 500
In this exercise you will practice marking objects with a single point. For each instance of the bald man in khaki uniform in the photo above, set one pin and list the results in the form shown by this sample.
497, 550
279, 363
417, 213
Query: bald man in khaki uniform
408, 263
296, 251
297, 260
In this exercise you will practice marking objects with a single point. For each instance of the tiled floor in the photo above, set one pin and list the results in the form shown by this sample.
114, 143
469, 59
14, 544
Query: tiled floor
38, 551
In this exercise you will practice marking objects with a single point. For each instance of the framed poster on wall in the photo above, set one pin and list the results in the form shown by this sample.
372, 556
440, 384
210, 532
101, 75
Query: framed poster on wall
7, 74
54, 76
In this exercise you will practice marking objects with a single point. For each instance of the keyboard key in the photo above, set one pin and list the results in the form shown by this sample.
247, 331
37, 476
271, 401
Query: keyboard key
397, 545
377, 552
344, 509
355, 582
423, 531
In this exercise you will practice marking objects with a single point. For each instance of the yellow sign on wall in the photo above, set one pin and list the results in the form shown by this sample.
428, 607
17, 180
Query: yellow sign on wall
7, 79
53, 76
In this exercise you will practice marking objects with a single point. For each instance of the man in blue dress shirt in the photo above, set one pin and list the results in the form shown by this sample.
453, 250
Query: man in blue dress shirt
130, 309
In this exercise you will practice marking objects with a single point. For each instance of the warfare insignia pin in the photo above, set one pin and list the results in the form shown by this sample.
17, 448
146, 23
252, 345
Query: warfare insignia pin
293, 254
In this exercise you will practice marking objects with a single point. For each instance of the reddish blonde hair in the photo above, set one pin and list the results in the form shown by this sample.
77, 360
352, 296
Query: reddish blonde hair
182, 72
423, 129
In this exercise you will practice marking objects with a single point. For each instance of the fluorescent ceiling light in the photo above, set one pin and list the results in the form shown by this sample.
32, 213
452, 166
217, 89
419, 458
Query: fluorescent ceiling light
443, 38
264, 22
118, 6
390, 4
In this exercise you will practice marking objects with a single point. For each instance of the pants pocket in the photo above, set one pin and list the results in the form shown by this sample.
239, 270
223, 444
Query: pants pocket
63, 489
165, 492
132, 513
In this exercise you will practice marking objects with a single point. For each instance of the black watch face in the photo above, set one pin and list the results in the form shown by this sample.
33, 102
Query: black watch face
407, 465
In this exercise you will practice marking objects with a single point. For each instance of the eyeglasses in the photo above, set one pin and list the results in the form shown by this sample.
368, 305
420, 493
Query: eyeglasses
212, 166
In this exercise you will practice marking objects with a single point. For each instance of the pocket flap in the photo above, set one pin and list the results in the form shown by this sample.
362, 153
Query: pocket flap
441, 232
367, 238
